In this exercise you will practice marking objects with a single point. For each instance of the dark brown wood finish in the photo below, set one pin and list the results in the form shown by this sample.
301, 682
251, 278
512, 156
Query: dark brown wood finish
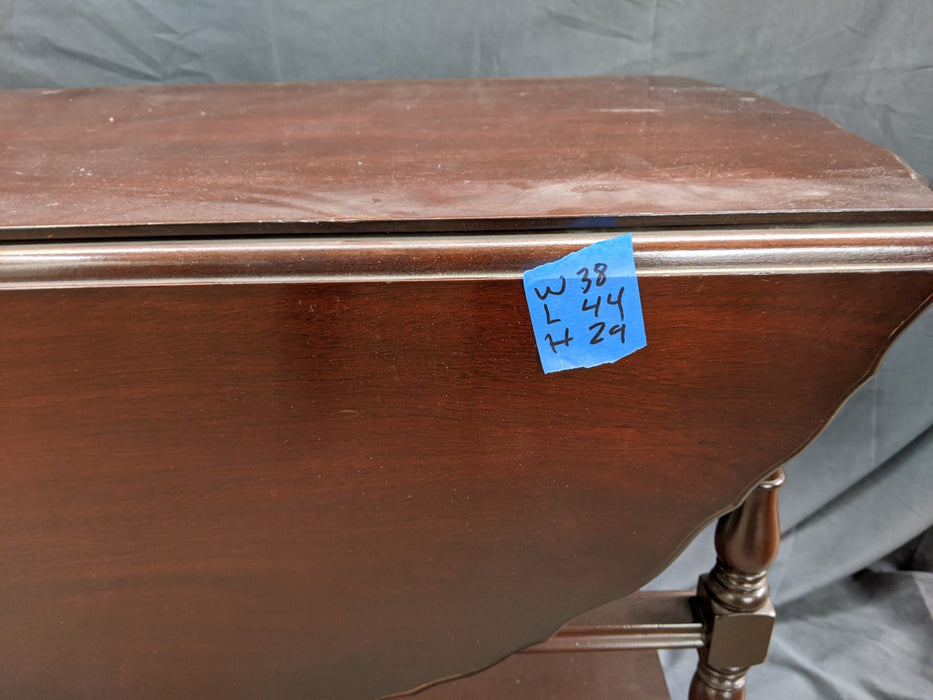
430, 156
643, 620
582, 659
358, 487
331, 466
733, 599
382, 259
602, 675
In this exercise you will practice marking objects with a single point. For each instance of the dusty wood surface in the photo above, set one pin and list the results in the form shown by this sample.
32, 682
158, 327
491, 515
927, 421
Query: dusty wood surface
331, 466
435, 155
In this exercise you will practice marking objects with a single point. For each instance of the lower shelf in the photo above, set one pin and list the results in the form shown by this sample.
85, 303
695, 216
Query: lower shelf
609, 652
594, 675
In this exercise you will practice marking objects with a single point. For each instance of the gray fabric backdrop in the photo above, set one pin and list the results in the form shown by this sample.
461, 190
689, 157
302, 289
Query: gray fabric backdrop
853, 582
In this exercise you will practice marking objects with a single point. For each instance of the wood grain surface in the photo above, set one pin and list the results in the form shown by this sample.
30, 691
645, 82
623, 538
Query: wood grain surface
429, 155
601, 675
325, 463
346, 490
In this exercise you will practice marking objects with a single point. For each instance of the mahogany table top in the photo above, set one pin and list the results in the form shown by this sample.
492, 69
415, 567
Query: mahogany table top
272, 419
427, 155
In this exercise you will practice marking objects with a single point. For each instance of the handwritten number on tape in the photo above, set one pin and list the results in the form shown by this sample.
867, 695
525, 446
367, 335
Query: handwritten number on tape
592, 321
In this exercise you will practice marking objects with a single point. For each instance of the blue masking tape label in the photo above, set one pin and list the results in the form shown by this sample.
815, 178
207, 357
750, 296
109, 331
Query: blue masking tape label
585, 308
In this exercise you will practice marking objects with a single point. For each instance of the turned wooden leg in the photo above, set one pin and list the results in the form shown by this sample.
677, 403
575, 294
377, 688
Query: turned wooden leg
733, 598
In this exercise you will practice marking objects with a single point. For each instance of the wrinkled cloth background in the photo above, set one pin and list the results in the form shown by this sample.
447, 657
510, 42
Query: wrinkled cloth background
853, 583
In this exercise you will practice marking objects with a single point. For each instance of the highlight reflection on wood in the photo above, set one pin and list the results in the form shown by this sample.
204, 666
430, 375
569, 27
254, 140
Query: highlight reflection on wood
263, 435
